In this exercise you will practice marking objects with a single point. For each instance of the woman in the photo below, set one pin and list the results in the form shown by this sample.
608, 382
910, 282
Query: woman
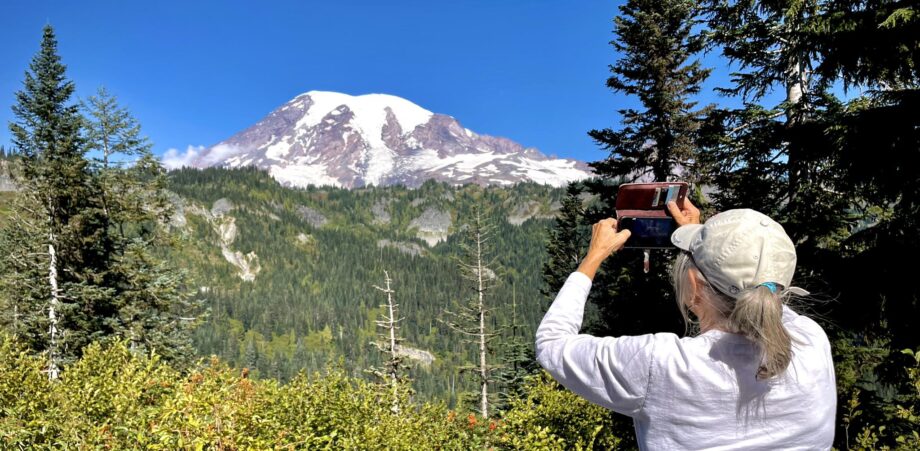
758, 375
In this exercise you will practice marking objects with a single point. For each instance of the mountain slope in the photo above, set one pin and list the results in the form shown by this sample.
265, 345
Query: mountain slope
288, 274
328, 138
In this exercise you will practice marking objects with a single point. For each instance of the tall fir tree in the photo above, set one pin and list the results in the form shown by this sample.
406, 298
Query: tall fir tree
83, 255
875, 47
567, 241
839, 174
153, 306
517, 359
776, 158
657, 43
57, 249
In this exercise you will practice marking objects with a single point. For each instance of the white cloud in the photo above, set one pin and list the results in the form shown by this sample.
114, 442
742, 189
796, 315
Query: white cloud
173, 159
198, 156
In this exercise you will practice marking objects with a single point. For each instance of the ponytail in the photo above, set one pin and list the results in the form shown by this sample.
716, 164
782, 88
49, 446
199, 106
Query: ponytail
758, 315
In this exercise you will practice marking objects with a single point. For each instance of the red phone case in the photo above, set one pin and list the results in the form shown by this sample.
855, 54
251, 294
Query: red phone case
648, 200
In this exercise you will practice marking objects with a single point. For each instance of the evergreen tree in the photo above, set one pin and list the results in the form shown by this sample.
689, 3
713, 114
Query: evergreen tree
518, 359
58, 234
656, 41
154, 309
658, 44
776, 158
82, 257
839, 175
875, 46
567, 241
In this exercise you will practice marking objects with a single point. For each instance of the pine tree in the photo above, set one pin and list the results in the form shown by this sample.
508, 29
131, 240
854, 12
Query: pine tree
473, 319
82, 259
567, 241
154, 309
775, 158
518, 360
656, 41
874, 46
658, 45
60, 231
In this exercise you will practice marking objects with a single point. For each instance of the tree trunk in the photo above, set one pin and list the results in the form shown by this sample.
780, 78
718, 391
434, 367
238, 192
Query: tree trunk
52, 309
483, 370
796, 88
394, 377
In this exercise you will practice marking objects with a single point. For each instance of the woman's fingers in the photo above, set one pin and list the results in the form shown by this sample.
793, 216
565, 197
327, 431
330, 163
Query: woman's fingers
605, 239
620, 240
681, 217
689, 215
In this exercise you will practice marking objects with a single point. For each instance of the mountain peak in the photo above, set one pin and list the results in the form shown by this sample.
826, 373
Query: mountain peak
331, 138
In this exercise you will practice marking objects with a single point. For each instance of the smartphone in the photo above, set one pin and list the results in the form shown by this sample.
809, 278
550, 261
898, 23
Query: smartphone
642, 209
648, 233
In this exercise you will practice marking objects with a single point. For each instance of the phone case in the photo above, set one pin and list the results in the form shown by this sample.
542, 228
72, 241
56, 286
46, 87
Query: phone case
649, 200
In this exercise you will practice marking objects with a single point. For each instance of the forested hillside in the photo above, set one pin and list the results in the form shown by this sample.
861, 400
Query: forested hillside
313, 256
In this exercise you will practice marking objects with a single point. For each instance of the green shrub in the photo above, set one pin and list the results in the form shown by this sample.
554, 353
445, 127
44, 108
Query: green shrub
549, 417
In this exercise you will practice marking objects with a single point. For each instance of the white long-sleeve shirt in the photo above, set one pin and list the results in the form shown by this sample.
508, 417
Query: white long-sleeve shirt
694, 392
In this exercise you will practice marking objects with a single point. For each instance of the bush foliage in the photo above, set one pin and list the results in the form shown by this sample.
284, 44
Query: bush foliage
112, 398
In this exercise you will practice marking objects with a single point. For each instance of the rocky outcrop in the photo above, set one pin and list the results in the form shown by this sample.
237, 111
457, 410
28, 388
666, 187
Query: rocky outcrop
527, 210
221, 207
419, 355
381, 215
248, 264
311, 216
226, 229
407, 248
432, 226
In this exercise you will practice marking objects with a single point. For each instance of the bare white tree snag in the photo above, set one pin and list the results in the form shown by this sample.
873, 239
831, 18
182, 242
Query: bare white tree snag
52, 310
470, 321
483, 369
390, 324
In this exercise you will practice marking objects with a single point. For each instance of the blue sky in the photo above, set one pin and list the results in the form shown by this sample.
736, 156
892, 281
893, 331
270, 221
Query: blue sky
195, 73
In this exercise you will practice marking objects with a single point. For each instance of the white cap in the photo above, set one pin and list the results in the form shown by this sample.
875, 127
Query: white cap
740, 249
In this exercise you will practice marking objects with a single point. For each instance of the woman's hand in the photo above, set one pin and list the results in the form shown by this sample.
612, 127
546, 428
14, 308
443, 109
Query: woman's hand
689, 215
605, 240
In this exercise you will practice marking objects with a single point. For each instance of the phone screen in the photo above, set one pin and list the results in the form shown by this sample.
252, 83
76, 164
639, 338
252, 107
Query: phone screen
648, 232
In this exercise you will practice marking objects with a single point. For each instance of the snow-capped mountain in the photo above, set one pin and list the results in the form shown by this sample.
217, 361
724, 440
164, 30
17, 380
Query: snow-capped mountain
328, 138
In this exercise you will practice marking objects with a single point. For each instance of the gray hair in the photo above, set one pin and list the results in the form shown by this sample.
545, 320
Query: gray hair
757, 313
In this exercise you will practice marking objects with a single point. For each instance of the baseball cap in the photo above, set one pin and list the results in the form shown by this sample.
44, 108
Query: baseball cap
740, 249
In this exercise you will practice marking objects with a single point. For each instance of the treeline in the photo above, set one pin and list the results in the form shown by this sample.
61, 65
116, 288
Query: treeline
824, 140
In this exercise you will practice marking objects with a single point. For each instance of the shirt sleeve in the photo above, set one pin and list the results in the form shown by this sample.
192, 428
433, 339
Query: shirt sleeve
612, 372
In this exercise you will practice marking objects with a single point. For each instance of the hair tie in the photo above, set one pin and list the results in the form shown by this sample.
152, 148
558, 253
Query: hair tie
770, 285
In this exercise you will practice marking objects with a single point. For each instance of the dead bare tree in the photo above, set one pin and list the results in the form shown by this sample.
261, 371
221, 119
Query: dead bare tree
471, 320
393, 367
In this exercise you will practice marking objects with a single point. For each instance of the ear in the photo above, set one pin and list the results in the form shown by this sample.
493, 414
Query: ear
694, 287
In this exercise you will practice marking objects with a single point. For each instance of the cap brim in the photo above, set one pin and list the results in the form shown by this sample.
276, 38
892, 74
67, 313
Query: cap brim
684, 235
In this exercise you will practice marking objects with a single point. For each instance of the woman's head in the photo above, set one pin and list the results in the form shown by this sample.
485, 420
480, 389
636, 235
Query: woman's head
734, 274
